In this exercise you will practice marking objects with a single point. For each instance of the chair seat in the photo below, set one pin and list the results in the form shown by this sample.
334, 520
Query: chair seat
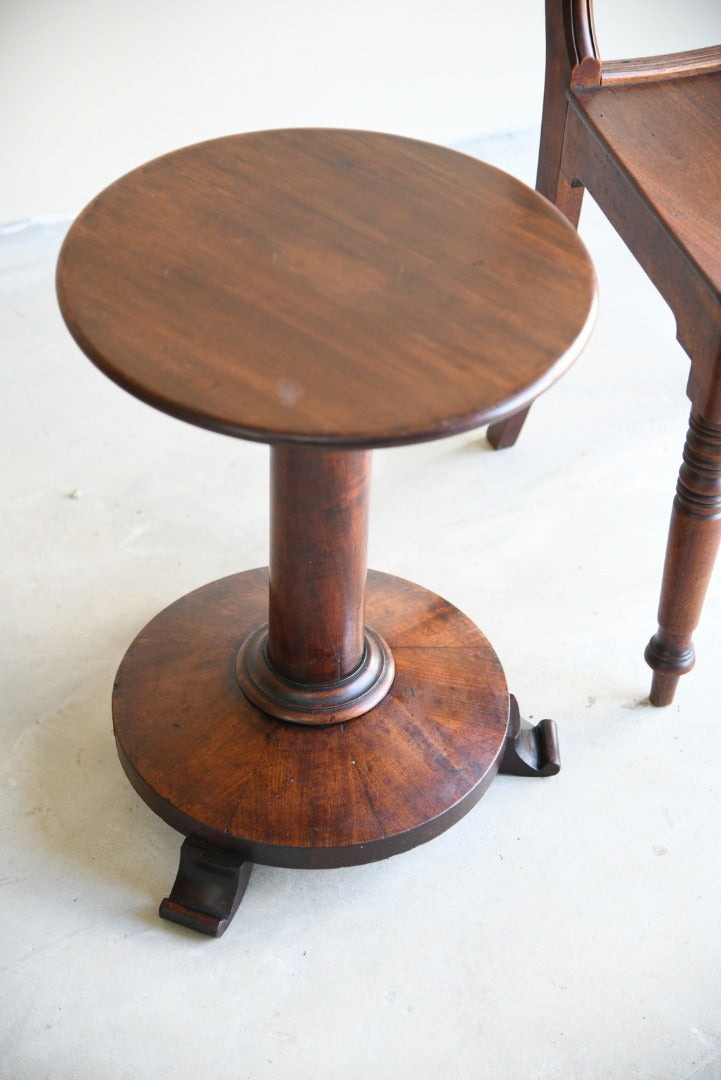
664, 138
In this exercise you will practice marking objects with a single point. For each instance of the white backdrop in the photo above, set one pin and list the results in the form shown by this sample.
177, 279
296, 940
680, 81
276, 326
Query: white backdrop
91, 88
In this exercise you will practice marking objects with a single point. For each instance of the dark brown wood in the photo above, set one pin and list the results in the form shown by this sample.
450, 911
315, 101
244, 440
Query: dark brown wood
694, 536
668, 66
316, 662
504, 433
531, 749
643, 138
326, 292
340, 288
314, 703
571, 60
648, 154
216, 768
319, 503
208, 889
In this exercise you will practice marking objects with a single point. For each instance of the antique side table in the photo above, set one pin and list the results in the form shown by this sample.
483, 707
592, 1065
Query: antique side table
326, 292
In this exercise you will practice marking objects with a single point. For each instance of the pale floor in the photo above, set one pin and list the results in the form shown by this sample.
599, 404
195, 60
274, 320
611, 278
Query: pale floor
566, 928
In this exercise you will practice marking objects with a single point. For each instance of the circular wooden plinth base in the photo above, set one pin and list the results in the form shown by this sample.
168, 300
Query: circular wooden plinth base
215, 767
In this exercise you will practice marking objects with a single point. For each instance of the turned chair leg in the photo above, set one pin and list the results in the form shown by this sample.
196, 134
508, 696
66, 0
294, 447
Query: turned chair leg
693, 541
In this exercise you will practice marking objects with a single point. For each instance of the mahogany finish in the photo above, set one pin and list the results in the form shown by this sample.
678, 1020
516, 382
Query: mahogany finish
208, 888
530, 750
325, 292
329, 287
319, 500
215, 767
315, 662
642, 136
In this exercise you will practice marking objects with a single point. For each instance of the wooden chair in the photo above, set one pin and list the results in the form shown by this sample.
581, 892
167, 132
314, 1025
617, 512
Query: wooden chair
644, 137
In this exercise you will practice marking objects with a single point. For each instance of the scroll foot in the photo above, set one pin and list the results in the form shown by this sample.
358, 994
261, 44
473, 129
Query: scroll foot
208, 889
529, 750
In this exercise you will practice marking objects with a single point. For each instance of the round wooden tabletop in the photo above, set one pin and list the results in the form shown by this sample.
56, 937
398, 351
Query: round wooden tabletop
325, 286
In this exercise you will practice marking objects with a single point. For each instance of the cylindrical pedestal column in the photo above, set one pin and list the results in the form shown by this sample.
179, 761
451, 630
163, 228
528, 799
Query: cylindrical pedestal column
318, 545
316, 662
